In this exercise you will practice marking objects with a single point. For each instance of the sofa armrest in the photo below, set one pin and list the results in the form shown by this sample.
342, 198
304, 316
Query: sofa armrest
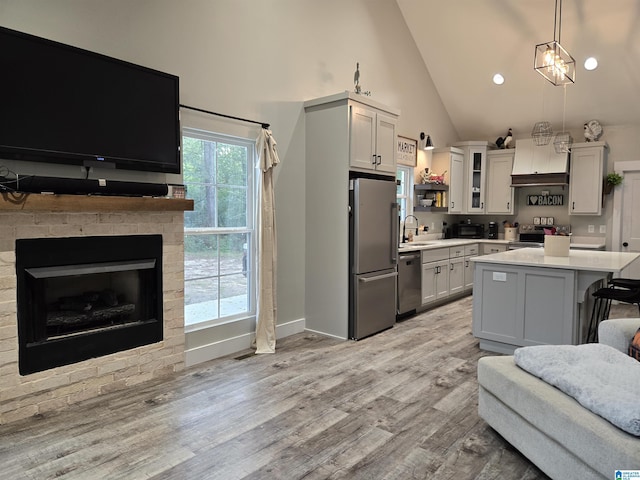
618, 332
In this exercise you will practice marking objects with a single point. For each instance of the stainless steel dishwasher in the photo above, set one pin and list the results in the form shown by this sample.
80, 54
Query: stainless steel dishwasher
409, 282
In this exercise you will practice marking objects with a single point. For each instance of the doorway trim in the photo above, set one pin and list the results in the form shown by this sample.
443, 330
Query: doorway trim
616, 234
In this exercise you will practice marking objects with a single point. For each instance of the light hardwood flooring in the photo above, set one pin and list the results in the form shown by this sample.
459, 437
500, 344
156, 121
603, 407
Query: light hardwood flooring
399, 405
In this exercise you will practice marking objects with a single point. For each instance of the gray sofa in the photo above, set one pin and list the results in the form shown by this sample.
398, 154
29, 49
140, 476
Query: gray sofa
564, 439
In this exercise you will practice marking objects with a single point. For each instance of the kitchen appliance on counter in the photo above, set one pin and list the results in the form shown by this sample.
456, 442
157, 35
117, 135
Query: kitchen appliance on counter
533, 235
467, 230
493, 231
409, 282
373, 255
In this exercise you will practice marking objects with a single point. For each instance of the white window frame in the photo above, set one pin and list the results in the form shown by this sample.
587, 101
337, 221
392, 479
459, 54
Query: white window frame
406, 190
250, 229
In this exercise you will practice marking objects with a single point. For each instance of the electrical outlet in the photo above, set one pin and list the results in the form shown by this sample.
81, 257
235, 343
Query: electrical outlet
603, 229
591, 228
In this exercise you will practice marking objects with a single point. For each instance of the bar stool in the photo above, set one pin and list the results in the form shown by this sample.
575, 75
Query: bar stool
628, 283
602, 303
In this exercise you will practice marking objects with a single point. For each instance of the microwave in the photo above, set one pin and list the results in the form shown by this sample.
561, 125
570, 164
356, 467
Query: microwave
467, 230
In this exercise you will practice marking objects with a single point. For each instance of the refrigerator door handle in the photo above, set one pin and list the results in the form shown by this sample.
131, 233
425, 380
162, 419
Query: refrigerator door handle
377, 277
395, 232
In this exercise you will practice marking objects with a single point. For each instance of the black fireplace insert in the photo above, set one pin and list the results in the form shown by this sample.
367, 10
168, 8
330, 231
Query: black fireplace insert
85, 297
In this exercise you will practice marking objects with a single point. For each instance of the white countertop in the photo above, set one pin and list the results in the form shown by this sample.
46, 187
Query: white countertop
448, 242
584, 243
577, 260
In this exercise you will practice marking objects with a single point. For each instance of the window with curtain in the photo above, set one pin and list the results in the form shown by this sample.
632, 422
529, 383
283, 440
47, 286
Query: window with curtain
220, 237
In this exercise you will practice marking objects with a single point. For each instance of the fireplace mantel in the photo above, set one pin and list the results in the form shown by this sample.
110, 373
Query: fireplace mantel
37, 202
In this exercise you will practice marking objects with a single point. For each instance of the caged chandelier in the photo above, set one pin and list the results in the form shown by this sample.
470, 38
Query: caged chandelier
551, 60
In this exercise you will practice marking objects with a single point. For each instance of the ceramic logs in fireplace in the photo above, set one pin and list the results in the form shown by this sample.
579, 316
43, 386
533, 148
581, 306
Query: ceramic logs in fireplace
85, 297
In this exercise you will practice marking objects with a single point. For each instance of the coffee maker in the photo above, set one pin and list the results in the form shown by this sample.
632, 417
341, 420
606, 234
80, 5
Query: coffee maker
493, 231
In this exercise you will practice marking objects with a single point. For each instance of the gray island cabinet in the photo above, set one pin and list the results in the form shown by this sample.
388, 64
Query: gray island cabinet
522, 297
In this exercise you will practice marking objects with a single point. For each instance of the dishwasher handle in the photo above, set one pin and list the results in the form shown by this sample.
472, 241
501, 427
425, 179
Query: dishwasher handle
413, 256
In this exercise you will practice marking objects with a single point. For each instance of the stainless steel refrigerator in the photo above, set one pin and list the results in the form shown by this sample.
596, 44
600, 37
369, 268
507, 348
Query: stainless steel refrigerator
373, 255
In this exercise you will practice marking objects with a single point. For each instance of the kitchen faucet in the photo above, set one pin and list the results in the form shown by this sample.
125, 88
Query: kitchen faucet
404, 228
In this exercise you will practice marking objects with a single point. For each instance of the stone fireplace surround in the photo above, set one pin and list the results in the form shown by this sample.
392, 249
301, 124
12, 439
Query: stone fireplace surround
48, 216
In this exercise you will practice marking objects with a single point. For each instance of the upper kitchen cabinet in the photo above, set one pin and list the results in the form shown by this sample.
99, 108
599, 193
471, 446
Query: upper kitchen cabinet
588, 164
363, 130
451, 161
500, 193
373, 140
475, 171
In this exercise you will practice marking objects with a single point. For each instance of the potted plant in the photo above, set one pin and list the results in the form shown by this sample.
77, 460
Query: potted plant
611, 181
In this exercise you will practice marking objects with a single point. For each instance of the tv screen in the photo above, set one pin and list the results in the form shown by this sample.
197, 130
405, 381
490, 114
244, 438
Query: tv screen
63, 104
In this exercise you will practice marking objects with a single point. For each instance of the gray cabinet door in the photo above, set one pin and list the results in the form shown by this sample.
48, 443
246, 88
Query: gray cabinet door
520, 306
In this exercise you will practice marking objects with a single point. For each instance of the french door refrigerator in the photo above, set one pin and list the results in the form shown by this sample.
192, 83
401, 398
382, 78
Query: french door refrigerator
373, 255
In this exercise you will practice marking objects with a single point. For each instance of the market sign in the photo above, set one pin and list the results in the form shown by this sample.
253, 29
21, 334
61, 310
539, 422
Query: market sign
407, 151
545, 200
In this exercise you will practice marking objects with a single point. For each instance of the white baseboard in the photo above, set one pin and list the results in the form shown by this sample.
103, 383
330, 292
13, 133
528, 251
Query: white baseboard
229, 346
326, 334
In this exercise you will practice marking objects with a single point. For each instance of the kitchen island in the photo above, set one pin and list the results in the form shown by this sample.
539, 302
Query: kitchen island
522, 297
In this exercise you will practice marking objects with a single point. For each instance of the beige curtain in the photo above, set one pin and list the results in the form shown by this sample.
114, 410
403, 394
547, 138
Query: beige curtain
267, 309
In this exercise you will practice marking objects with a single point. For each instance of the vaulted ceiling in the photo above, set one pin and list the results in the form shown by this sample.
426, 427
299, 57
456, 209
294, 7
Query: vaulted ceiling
465, 42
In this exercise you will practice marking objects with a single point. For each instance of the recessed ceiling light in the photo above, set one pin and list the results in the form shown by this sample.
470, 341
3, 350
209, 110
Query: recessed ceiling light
498, 79
591, 63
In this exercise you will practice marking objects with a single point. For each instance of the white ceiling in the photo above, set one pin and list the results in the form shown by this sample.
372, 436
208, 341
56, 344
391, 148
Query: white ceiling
465, 42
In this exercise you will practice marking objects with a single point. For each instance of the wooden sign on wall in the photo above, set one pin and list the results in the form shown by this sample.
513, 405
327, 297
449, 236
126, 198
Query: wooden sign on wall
545, 200
407, 151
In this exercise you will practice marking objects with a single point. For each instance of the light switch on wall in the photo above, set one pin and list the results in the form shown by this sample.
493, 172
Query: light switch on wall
591, 228
603, 229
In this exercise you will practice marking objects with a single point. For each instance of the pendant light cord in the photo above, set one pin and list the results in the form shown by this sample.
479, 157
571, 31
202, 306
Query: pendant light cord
564, 105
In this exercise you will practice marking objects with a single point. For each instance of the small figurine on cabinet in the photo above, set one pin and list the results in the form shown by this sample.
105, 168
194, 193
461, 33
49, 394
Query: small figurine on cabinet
592, 131
356, 81
503, 142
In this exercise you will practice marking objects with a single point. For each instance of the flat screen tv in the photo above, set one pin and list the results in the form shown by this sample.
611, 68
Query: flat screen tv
63, 104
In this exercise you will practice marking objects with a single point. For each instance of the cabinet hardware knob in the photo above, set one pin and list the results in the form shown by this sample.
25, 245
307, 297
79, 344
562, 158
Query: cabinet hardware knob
625, 244
373, 160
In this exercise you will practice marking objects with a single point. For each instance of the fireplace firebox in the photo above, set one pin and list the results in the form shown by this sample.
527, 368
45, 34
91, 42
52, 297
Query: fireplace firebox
85, 297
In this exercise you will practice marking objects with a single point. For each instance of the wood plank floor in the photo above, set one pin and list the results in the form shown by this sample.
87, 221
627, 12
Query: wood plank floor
399, 405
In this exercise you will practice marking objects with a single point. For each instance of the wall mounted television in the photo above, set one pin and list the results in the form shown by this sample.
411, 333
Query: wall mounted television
62, 104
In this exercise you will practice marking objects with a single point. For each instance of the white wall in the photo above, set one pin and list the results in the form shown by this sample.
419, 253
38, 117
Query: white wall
257, 59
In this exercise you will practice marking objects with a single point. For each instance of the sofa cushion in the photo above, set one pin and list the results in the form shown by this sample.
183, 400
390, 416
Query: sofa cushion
634, 347
617, 332
584, 434
599, 377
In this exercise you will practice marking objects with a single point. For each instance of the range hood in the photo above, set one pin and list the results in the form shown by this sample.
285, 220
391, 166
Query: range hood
538, 165
539, 179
